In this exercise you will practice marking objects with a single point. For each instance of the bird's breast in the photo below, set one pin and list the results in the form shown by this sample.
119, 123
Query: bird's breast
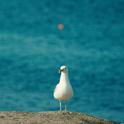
63, 92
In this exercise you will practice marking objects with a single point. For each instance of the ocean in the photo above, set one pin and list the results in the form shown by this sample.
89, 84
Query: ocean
90, 43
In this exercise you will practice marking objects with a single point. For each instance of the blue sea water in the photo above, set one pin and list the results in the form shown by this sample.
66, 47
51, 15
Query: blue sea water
32, 49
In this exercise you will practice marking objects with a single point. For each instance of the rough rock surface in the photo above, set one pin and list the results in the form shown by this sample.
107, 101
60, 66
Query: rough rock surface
56, 117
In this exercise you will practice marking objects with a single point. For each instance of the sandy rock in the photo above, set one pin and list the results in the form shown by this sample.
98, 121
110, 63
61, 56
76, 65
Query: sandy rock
56, 117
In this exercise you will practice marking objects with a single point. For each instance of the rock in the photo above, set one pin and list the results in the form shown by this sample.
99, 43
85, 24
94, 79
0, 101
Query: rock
56, 117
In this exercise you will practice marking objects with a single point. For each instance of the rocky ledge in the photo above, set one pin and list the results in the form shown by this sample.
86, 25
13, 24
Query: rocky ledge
56, 117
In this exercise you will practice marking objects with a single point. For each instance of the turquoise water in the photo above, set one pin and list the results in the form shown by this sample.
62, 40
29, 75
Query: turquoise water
32, 49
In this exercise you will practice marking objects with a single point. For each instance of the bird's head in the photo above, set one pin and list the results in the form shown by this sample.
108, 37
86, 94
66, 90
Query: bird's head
63, 69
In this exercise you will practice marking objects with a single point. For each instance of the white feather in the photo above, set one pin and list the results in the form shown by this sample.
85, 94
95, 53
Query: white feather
63, 90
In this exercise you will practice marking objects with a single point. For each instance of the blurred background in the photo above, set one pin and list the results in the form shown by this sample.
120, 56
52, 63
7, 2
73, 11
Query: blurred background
38, 36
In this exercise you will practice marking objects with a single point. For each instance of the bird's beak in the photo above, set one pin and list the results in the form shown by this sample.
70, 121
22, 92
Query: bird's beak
59, 70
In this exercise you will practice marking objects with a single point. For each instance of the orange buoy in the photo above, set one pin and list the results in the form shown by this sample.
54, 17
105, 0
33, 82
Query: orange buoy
60, 26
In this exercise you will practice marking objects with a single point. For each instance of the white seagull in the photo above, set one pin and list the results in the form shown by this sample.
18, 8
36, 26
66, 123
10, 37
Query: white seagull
63, 90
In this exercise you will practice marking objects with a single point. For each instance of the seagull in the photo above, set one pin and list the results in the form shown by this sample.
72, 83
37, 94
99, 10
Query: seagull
63, 90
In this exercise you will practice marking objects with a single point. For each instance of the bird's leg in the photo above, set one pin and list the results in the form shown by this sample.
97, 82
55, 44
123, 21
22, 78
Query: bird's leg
65, 106
60, 104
